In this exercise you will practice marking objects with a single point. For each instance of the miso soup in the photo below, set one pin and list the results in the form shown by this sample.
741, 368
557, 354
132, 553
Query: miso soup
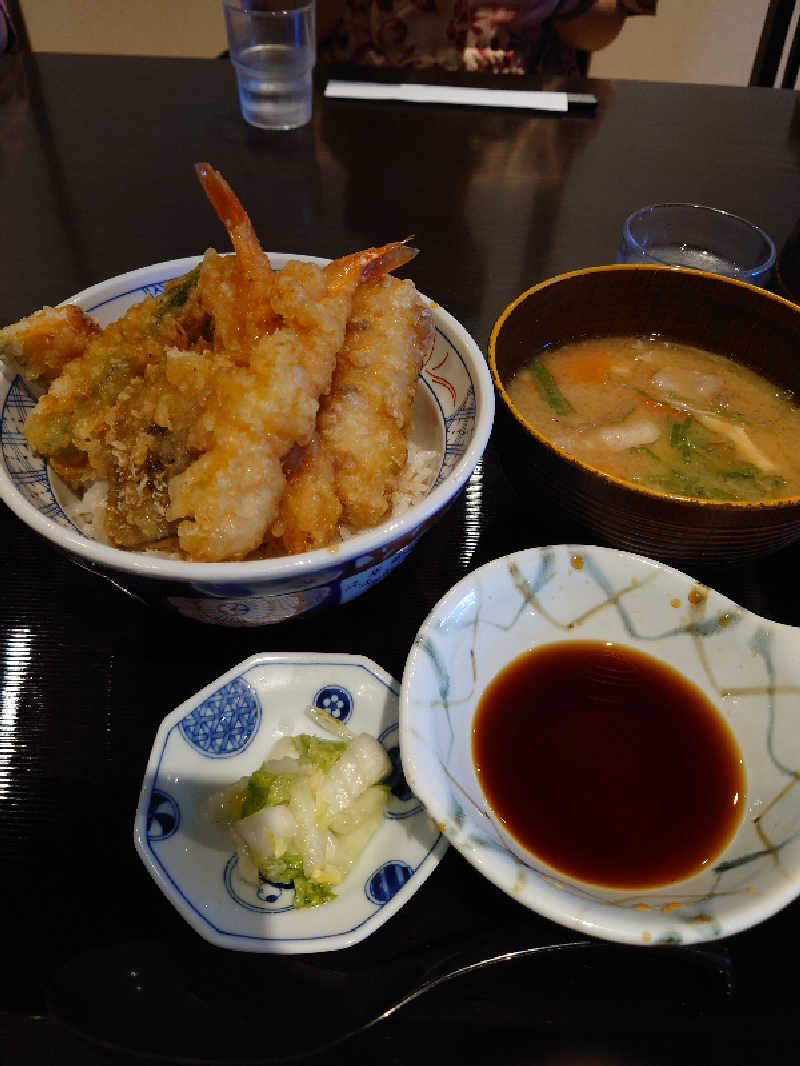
666, 416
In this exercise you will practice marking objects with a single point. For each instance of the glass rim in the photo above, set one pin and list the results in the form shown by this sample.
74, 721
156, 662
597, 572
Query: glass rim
242, 7
761, 268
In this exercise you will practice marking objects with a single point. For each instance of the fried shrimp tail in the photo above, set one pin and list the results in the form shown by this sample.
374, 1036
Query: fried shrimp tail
229, 210
237, 290
370, 263
394, 257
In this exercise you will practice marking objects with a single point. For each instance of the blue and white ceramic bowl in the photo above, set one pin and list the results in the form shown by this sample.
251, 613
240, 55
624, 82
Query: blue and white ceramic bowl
748, 667
225, 732
453, 416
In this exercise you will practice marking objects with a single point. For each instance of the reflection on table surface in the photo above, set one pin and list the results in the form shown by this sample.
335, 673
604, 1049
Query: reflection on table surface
96, 178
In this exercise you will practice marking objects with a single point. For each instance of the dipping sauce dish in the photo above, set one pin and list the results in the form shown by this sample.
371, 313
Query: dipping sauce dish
745, 667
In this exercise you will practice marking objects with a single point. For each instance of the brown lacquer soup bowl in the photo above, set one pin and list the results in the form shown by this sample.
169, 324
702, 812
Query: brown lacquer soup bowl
755, 328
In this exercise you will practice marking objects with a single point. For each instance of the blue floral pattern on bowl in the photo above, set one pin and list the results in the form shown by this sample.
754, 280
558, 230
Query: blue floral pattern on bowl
224, 733
336, 700
747, 666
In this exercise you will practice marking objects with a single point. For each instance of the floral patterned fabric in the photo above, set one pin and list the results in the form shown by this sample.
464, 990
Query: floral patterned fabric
475, 35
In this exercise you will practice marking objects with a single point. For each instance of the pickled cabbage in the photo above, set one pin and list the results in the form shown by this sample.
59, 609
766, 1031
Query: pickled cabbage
306, 814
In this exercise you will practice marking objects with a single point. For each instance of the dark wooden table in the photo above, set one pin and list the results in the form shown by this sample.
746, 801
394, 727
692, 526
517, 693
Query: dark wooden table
96, 178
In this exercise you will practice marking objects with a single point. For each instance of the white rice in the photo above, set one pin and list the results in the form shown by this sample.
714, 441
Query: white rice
89, 511
416, 479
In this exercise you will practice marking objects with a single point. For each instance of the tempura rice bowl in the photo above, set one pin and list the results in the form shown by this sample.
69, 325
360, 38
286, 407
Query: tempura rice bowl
453, 413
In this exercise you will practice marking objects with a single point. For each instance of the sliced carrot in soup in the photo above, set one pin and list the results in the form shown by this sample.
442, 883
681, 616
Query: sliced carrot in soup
590, 365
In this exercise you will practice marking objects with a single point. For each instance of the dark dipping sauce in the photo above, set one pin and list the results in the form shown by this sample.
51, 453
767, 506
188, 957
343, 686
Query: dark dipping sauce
607, 764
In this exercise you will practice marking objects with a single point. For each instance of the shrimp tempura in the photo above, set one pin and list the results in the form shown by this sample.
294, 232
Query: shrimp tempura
229, 496
188, 406
149, 436
237, 289
353, 465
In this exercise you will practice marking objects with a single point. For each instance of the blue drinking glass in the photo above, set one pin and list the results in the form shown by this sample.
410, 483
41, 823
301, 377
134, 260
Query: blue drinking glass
704, 238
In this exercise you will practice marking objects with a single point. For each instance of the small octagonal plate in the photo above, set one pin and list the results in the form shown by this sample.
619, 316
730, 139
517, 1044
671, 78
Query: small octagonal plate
225, 732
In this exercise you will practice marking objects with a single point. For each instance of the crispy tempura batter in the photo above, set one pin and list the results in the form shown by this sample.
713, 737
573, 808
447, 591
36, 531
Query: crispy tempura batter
353, 465
148, 443
210, 458
41, 345
69, 423
152, 435
310, 507
229, 496
189, 406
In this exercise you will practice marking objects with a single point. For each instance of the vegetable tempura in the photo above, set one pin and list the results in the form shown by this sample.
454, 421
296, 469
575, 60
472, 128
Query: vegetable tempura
193, 410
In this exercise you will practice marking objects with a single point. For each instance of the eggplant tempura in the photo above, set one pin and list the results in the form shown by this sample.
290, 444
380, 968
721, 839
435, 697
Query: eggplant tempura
195, 409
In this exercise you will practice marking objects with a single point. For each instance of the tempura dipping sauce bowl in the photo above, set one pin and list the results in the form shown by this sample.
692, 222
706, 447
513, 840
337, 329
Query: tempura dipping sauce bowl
732, 318
745, 667
453, 415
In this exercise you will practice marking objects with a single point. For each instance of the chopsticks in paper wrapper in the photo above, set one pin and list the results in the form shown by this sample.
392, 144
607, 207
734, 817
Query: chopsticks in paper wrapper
407, 92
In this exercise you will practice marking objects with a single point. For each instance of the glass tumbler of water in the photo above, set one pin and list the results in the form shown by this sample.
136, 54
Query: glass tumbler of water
705, 238
272, 48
